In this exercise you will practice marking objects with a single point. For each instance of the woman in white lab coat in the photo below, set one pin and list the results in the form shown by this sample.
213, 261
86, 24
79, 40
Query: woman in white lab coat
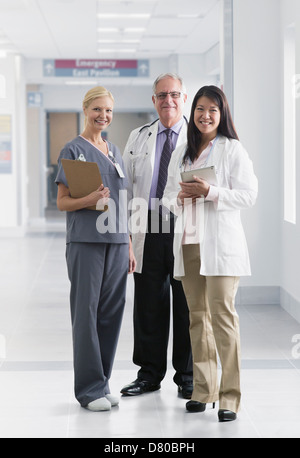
210, 247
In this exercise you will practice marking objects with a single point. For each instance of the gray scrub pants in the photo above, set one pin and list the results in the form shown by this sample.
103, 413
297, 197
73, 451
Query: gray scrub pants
98, 275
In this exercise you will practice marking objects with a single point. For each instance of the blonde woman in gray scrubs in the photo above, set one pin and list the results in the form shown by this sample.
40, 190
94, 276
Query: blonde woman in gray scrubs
98, 256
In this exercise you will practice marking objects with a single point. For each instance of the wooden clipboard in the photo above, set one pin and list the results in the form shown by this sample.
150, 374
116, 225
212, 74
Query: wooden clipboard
83, 178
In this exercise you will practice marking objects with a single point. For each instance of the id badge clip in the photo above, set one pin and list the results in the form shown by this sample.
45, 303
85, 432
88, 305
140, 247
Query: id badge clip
119, 170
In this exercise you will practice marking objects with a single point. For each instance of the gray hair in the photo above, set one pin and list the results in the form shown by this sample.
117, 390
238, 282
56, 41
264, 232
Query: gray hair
174, 76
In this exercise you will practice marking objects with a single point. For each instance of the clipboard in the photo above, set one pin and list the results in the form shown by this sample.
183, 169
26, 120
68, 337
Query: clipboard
208, 174
83, 178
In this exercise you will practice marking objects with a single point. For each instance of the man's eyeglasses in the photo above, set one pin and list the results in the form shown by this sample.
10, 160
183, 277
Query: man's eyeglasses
163, 95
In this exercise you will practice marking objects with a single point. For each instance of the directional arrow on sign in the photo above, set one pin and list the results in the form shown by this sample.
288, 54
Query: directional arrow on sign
48, 68
143, 68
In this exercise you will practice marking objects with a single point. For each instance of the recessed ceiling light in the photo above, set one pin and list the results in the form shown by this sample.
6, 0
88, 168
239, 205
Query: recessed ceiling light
134, 29
107, 50
123, 16
119, 41
80, 83
188, 16
108, 29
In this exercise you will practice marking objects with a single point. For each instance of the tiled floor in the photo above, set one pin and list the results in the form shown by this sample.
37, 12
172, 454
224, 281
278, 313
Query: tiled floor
36, 377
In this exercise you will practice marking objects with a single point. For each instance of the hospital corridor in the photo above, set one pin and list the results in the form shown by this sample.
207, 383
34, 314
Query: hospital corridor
148, 95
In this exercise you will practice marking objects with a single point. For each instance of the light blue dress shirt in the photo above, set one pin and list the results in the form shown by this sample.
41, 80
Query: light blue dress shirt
160, 140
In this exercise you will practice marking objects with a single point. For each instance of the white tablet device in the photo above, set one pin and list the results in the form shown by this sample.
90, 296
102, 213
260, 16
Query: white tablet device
208, 174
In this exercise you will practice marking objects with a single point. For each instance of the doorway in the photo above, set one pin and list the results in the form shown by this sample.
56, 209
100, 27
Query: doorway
62, 127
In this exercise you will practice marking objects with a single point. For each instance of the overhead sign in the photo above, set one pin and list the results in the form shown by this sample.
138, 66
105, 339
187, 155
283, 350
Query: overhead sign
95, 68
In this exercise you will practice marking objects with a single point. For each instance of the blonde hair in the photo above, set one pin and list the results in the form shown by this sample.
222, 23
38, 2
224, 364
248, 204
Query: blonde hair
95, 93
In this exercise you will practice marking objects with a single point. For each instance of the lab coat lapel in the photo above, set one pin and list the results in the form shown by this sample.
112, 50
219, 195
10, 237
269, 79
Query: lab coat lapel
182, 138
218, 152
151, 143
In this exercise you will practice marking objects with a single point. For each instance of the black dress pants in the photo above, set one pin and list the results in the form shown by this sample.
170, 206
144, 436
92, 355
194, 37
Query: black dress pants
152, 312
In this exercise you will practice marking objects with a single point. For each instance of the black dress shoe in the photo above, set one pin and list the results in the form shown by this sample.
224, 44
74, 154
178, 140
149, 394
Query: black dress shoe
195, 406
226, 415
186, 389
139, 387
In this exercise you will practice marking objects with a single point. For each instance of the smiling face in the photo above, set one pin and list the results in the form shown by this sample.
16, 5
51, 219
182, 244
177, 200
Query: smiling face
99, 114
207, 117
169, 109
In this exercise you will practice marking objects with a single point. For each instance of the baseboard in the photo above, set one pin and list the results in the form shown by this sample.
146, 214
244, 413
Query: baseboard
269, 295
290, 304
255, 295
8, 232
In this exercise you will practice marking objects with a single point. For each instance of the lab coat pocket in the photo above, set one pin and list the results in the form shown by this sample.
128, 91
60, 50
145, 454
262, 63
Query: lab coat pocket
138, 165
232, 238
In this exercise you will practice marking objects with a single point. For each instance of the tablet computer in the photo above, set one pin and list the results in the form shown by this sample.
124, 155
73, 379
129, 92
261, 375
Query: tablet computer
208, 174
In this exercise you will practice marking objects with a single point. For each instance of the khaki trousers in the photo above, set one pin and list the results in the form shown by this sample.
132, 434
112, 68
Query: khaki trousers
214, 329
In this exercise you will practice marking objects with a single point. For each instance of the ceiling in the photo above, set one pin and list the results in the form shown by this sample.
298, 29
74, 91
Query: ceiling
97, 29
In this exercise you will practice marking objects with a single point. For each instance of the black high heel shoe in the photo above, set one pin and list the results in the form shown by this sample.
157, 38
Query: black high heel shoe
196, 406
226, 415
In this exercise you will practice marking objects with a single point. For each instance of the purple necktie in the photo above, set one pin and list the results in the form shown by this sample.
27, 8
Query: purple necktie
164, 164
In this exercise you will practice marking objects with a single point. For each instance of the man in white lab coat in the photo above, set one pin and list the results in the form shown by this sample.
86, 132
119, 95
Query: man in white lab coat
145, 157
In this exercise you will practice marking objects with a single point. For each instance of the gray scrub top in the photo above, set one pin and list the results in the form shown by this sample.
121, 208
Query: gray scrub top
91, 225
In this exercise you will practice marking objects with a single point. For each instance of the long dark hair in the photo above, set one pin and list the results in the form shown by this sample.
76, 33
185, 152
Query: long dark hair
225, 128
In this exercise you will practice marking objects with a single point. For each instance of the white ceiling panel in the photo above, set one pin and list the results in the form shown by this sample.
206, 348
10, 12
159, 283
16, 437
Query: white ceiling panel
126, 7
76, 29
203, 36
176, 26
72, 25
160, 44
184, 7
13, 5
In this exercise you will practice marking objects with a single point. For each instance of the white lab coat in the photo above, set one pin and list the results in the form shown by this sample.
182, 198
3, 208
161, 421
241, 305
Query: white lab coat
223, 247
139, 157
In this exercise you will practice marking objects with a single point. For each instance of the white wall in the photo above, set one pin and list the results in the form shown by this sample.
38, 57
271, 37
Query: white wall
69, 98
257, 104
197, 72
258, 40
36, 161
290, 233
13, 185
